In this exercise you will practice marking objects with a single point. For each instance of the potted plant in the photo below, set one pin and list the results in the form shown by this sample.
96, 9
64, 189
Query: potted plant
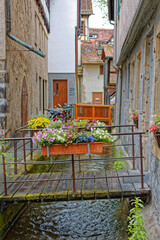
39, 122
155, 128
70, 141
135, 116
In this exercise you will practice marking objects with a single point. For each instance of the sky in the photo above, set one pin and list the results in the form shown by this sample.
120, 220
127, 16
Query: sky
96, 20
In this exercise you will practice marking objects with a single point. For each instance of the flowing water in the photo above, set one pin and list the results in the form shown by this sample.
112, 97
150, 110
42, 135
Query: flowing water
77, 220
81, 220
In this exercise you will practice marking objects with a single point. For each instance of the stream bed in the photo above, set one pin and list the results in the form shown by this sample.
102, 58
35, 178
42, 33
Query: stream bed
74, 220
81, 220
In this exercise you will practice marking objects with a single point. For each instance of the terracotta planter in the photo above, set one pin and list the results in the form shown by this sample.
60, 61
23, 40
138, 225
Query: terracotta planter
157, 137
35, 132
74, 148
135, 122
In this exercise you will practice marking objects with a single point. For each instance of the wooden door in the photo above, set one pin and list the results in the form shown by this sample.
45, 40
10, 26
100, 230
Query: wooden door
97, 97
59, 92
24, 104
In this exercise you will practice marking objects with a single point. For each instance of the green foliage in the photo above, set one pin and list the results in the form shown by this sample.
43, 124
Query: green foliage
103, 5
119, 164
6, 154
136, 227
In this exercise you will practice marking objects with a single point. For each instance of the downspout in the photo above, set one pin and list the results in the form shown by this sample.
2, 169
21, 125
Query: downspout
77, 34
119, 75
15, 38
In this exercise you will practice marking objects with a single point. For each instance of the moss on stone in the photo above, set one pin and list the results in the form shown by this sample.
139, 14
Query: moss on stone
7, 216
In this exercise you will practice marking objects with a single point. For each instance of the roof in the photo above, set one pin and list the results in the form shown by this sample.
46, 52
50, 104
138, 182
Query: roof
86, 7
107, 51
89, 54
102, 34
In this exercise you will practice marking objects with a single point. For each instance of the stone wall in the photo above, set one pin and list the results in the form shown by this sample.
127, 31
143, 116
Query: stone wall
22, 65
144, 93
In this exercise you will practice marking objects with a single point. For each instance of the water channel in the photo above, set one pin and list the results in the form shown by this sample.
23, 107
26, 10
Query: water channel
77, 220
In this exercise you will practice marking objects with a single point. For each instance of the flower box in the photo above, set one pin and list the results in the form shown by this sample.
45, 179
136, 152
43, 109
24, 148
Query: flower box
73, 148
157, 137
35, 132
135, 122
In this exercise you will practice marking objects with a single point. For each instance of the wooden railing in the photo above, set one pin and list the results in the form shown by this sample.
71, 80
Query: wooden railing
94, 112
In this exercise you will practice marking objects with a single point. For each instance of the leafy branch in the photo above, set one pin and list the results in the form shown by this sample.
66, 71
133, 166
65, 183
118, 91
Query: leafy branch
136, 227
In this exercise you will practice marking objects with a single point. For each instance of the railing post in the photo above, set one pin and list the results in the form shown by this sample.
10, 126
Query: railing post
73, 174
4, 170
133, 152
15, 153
141, 159
24, 154
109, 115
75, 111
31, 145
79, 162
93, 113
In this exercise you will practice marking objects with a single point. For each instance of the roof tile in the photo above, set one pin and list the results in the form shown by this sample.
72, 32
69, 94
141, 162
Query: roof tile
102, 34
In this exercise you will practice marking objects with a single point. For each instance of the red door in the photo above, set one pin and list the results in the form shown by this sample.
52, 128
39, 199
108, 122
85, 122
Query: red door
59, 92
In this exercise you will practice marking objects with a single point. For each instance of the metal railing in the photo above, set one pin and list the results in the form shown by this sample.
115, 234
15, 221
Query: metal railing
72, 161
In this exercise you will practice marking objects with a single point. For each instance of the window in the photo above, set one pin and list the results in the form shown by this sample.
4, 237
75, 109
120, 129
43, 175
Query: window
36, 29
44, 95
92, 36
138, 73
112, 74
127, 81
82, 28
40, 96
101, 70
57, 89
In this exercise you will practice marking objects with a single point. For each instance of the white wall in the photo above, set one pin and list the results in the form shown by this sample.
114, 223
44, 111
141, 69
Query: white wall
61, 49
92, 81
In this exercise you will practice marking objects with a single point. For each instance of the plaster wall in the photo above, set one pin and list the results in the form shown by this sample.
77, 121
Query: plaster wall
27, 24
61, 45
127, 11
92, 82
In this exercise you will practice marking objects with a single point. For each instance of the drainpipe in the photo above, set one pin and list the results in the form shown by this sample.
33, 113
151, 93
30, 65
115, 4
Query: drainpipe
77, 34
15, 38
119, 77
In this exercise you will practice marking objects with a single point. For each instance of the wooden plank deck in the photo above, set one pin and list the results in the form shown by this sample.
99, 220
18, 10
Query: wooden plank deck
95, 186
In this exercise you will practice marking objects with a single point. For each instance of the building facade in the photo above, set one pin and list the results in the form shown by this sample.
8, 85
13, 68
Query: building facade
62, 52
136, 57
95, 70
23, 61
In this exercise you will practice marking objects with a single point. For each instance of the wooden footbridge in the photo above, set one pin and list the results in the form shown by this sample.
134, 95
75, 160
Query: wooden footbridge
75, 183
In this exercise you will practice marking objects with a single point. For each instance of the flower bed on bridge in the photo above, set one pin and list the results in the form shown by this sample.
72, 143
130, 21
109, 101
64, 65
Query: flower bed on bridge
70, 140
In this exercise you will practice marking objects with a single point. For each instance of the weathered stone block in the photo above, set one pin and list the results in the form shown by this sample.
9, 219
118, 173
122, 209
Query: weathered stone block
2, 93
2, 65
2, 77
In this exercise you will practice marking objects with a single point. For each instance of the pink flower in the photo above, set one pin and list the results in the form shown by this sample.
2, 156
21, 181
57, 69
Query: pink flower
33, 140
44, 135
38, 138
51, 139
